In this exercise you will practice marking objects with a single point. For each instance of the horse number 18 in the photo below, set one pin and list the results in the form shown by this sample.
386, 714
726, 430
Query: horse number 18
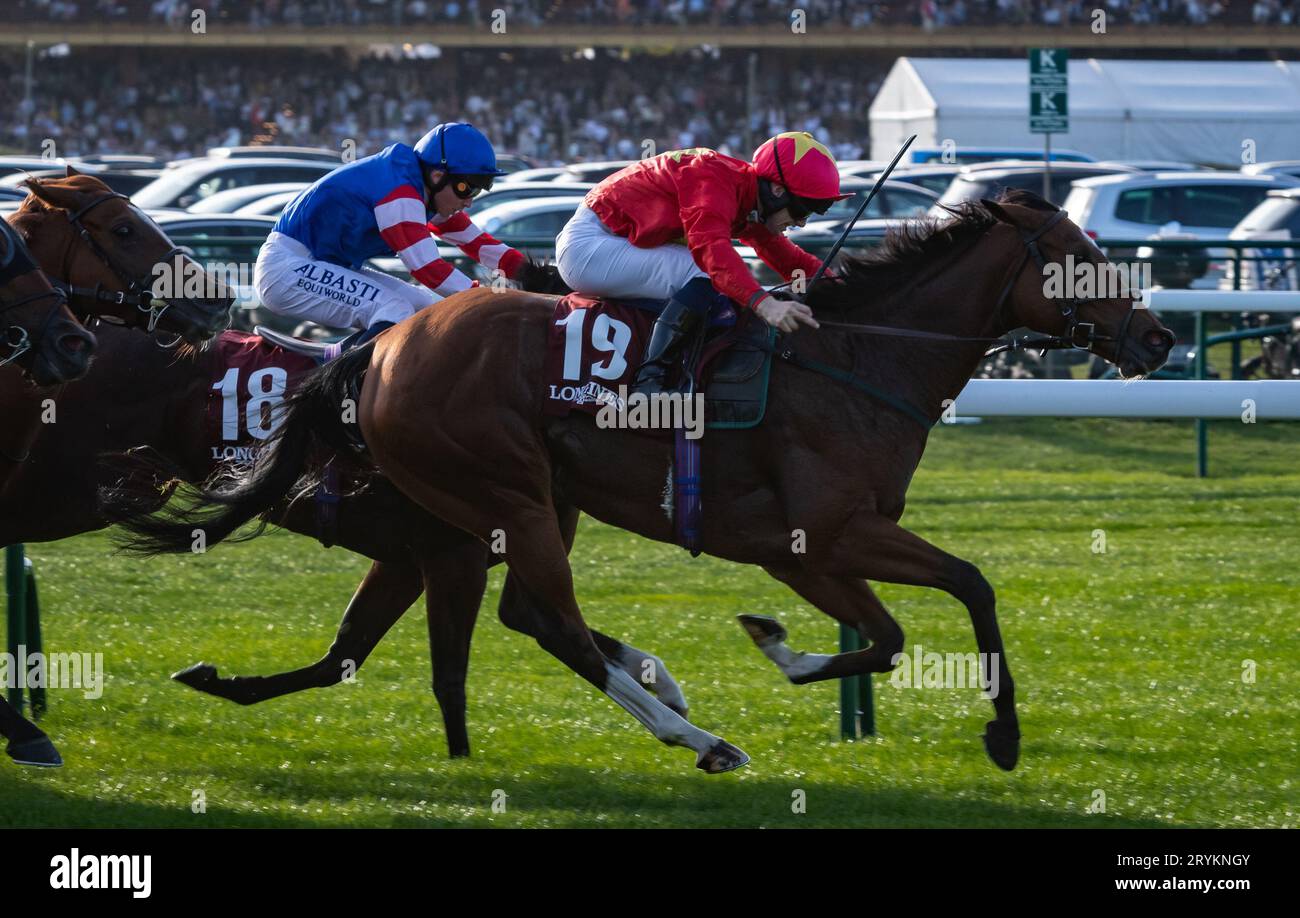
265, 394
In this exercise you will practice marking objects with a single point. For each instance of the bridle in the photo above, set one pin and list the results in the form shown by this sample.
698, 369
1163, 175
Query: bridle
1079, 335
138, 292
15, 264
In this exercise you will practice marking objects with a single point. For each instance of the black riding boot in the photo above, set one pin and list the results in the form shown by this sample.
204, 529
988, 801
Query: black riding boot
672, 330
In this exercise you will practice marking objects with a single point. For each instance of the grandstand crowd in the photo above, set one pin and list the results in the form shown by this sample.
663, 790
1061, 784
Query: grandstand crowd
260, 14
543, 104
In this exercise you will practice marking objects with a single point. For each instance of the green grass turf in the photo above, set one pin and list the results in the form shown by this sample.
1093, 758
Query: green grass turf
1128, 664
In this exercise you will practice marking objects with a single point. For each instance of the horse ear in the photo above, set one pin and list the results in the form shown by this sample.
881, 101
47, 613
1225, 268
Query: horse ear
998, 211
72, 171
54, 194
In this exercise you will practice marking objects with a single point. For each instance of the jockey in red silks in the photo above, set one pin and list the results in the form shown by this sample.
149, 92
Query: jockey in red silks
662, 229
312, 265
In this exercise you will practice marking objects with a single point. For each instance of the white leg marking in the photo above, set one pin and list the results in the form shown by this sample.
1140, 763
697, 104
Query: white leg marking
667, 726
663, 686
792, 663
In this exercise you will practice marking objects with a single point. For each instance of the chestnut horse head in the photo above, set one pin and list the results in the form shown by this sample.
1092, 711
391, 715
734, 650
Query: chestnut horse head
109, 254
37, 332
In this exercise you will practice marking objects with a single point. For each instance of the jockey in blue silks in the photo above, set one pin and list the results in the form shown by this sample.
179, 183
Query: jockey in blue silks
312, 265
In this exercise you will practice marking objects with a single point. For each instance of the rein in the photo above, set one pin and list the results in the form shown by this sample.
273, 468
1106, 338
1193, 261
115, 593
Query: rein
1078, 335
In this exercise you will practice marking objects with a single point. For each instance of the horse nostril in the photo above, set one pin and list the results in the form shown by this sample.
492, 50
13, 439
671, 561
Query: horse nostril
1158, 340
72, 344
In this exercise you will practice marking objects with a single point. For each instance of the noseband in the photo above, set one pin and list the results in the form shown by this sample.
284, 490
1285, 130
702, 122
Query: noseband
137, 292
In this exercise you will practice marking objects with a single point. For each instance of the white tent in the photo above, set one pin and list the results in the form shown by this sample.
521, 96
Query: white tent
1199, 111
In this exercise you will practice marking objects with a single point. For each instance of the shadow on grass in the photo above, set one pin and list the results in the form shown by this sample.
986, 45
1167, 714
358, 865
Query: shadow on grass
567, 796
40, 803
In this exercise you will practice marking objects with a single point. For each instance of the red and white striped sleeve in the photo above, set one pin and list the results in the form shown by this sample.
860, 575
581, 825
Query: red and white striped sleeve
400, 216
491, 253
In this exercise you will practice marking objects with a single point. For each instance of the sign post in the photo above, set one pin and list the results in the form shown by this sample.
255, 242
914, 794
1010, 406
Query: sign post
1049, 101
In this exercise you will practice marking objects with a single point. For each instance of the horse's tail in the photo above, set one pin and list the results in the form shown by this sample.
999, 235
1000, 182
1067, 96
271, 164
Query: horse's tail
319, 411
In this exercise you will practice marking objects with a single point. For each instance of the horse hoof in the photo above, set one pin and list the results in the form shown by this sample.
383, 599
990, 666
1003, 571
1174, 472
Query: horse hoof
763, 629
1002, 743
722, 756
37, 751
199, 676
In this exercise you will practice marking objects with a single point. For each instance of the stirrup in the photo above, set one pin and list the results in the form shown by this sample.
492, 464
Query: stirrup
320, 350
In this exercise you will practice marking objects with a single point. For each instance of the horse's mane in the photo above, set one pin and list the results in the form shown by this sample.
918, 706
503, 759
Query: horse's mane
907, 249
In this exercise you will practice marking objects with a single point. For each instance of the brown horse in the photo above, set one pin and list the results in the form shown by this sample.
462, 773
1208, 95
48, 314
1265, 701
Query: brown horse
103, 254
828, 469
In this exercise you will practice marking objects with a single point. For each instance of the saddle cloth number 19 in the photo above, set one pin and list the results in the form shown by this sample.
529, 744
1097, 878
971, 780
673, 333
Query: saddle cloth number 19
608, 336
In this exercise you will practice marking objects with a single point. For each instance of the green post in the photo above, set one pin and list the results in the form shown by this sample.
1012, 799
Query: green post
849, 642
16, 590
857, 708
34, 645
1202, 434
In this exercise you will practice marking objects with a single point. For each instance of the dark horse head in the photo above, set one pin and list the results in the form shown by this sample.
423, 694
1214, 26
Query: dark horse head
37, 332
110, 255
915, 278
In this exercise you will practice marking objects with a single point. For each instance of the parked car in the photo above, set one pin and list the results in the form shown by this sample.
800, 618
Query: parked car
1169, 205
1204, 204
11, 164
540, 174
534, 221
1153, 165
123, 181
860, 168
1276, 219
505, 192
896, 200
961, 155
182, 186
931, 178
591, 173
232, 199
313, 154
986, 181
510, 163
270, 206
1289, 167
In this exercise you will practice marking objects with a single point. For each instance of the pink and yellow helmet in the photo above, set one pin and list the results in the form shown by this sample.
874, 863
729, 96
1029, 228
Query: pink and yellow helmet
805, 167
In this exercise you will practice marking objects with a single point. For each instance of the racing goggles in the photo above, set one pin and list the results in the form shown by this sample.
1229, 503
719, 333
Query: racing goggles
467, 187
802, 208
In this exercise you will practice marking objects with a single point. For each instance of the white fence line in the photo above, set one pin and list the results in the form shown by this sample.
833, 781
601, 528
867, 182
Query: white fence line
1269, 400
1221, 300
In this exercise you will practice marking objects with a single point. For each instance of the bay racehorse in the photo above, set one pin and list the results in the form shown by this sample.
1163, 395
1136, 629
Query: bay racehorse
99, 258
450, 407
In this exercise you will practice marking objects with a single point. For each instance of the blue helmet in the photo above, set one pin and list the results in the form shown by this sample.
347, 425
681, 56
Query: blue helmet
458, 148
